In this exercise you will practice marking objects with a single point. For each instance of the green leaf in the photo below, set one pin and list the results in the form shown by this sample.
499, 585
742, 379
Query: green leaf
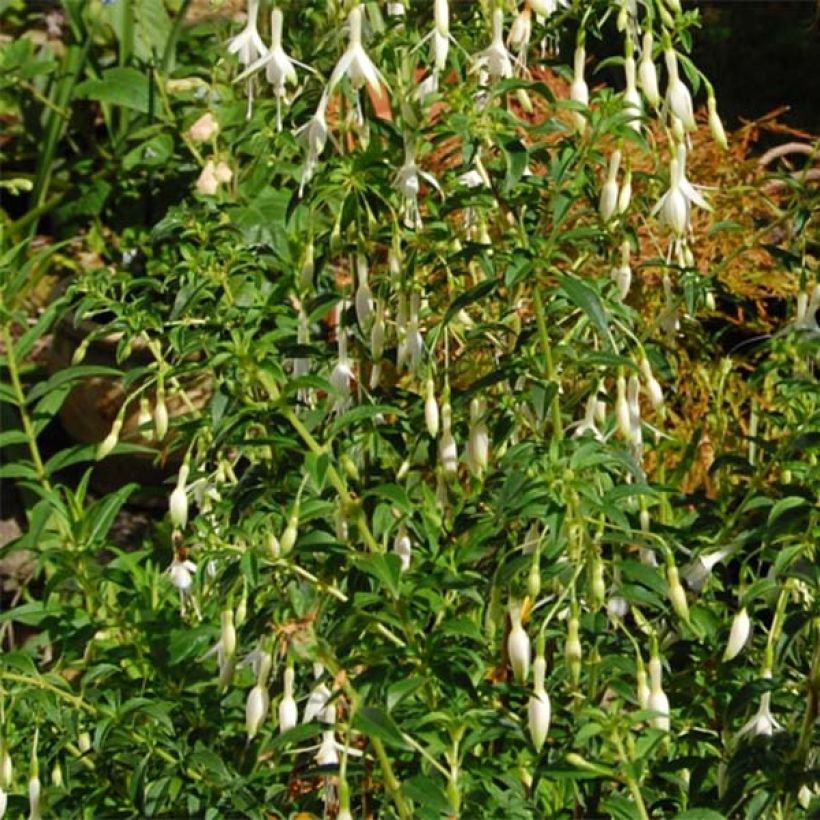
125, 87
374, 722
783, 506
700, 814
385, 568
586, 299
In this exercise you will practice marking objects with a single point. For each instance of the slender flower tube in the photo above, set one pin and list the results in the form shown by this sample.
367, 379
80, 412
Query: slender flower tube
622, 410
653, 388
677, 595
625, 194
573, 653
678, 98
408, 185
632, 399
738, 635
648, 73
642, 687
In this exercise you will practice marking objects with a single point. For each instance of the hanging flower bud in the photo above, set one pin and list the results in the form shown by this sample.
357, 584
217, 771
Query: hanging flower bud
579, 91
256, 710
415, 342
616, 608
715, 123
739, 634
35, 812
431, 409
6, 768
534, 579
677, 595
653, 388
160, 415
403, 547
531, 539
342, 375
288, 540
658, 702
678, 98
632, 399
178, 502
648, 73
622, 275
622, 410
609, 193
288, 711
641, 684
448, 454
144, 417
597, 584
107, 445
364, 298
478, 442
518, 647
632, 99
625, 194
572, 651
538, 706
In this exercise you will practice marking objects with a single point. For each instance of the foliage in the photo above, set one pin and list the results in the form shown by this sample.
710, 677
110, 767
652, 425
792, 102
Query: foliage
427, 389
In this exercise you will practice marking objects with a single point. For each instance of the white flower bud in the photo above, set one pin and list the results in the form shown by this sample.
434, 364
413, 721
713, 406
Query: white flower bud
178, 502
625, 194
317, 703
608, 201
6, 768
403, 547
160, 416
204, 129
228, 636
739, 634
538, 706
288, 540
642, 686
478, 441
256, 710
34, 791
622, 410
518, 647
448, 453
364, 298
107, 445
4, 801
431, 409
572, 651
579, 91
678, 98
648, 73
715, 124
658, 702
288, 711
677, 595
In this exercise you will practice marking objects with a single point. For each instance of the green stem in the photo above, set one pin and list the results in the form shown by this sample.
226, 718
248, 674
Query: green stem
549, 365
20, 397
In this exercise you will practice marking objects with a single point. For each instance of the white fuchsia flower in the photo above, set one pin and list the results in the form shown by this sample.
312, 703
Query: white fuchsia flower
314, 134
181, 573
622, 274
178, 501
318, 699
248, 46
431, 409
762, 722
587, 424
403, 547
448, 453
407, 183
495, 61
478, 440
354, 63
279, 67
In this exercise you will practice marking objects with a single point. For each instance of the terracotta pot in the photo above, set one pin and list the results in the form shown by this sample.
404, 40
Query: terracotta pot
89, 410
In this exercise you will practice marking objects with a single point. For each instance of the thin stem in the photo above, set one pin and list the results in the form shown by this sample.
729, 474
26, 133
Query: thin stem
549, 365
